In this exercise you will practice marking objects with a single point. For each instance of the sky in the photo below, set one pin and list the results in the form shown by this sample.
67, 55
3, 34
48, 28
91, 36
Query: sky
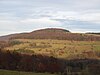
27, 15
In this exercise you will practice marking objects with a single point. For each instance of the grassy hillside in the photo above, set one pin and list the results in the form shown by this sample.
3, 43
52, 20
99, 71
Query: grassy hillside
49, 50
57, 48
7, 72
53, 33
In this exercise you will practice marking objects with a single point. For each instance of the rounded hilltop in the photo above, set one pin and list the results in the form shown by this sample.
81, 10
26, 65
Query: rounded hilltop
53, 33
52, 30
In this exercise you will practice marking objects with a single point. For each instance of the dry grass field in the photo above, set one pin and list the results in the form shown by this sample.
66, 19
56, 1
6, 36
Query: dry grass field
57, 48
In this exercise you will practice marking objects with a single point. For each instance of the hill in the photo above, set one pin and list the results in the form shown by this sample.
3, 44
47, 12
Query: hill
51, 50
52, 33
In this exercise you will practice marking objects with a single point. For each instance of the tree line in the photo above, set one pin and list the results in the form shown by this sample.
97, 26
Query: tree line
11, 60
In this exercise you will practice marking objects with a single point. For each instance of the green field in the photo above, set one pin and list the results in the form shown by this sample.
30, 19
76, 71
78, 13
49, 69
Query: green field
57, 48
6, 72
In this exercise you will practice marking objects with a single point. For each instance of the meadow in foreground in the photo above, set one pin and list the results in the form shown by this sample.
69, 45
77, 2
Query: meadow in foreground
7, 72
52, 56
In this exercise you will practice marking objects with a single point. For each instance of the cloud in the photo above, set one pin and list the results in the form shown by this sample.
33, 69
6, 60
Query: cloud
24, 25
39, 23
28, 15
42, 21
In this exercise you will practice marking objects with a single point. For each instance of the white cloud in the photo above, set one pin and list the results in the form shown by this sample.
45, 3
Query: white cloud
40, 21
90, 17
93, 17
27, 15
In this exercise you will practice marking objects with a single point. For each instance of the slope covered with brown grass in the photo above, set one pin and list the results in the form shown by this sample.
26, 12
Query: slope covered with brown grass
53, 33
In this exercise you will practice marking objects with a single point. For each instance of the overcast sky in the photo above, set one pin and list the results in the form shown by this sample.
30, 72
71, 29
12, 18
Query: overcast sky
28, 15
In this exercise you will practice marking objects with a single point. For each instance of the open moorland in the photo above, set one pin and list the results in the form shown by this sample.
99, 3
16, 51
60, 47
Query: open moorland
50, 51
57, 48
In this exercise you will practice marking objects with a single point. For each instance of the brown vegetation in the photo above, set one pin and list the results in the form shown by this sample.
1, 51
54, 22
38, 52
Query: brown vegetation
53, 33
40, 63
